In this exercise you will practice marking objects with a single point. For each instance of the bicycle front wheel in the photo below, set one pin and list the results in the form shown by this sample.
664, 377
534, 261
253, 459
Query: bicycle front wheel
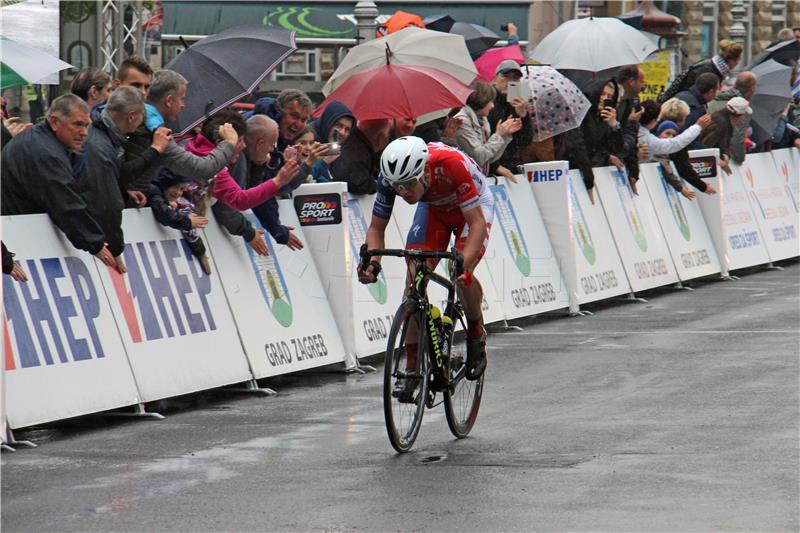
405, 388
463, 398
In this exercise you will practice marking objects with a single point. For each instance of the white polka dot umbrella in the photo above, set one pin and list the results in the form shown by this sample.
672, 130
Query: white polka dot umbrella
555, 103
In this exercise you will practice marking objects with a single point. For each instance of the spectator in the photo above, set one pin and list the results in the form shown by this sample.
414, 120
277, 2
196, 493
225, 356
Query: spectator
631, 80
172, 209
506, 72
602, 132
697, 97
290, 110
785, 34
11, 127
676, 111
662, 146
667, 131
567, 146
744, 87
719, 134
787, 132
721, 65
167, 95
439, 129
359, 163
93, 85
36, 175
334, 126
100, 175
403, 127
474, 136
225, 188
11, 267
135, 72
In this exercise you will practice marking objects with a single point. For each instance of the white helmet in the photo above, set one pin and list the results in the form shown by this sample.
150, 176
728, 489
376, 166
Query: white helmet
404, 160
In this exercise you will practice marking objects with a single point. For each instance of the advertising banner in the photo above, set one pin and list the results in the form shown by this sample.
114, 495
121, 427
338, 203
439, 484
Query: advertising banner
728, 215
773, 205
588, 259
174, 320
787, 160
63, 356
278, 302
636, 231
520, 258
683, 225
403, 215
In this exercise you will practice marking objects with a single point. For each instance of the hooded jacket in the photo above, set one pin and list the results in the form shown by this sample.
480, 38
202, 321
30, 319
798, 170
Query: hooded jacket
157, 200
322, 129
600, 139
36, 177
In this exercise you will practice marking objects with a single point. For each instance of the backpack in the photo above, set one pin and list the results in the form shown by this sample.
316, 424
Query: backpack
682, 81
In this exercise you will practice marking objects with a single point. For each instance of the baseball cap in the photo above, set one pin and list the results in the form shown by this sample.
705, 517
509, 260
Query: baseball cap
509, 65
738, 106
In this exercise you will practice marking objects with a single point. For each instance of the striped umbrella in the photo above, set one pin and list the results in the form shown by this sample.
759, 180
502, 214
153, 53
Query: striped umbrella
23, 64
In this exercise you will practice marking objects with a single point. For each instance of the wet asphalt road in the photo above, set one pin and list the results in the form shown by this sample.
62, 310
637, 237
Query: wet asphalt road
675, 415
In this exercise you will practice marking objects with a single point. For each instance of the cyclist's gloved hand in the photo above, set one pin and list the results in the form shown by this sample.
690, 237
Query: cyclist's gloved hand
370, 275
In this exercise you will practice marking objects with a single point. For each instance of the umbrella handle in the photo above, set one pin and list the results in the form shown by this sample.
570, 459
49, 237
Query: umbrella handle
388, 53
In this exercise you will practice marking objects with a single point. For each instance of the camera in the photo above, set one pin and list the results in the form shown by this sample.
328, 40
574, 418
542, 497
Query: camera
504, 27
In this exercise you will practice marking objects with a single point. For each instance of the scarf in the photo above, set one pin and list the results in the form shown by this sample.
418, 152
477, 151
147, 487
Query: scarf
722, 67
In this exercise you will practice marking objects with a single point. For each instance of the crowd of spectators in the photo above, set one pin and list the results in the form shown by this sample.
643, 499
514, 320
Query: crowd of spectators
106, 146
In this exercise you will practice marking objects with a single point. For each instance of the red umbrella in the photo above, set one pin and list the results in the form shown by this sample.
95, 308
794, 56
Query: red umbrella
487, 63
398, 91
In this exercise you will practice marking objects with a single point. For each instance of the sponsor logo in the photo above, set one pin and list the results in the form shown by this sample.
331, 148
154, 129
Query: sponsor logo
358, 236
318, 209
706, 166
271, 281
511, 229
464, 188
632, 215
676, 207
536, 176
580, 228
51, 319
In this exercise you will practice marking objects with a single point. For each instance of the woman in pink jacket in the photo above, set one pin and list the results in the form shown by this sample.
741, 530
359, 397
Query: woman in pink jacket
224, 188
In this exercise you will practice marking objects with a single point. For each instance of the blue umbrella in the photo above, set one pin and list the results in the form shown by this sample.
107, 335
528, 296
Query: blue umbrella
227, 66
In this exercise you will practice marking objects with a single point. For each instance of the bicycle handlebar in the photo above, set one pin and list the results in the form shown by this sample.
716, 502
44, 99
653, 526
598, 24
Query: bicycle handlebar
453, 254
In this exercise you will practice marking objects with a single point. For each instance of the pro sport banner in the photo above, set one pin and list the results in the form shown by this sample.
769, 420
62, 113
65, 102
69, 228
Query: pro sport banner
728, 214
520, 258
773, 205
684, 227
174, 319
63, 356
278, 302
636, 231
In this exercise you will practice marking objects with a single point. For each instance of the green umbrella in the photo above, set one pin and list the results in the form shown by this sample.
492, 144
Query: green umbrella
23, 64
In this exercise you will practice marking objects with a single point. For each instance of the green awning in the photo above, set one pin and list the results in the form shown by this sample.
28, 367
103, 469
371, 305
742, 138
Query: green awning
322, 19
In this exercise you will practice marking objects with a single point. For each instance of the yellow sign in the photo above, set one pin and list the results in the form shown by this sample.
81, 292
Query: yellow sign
657, 75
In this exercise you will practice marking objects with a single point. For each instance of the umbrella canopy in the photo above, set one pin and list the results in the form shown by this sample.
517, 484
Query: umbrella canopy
487, 63
557, 104
768, 102
439, 22
593, 44
227, 66
478, 38
410, 46
398, 91
22, 64
401, 20
782, 52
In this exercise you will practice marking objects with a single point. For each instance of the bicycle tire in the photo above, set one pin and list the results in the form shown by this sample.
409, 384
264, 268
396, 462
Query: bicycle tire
462, 399
403, 420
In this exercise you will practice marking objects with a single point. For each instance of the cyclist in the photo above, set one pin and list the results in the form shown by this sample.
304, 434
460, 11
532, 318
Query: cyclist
453, 198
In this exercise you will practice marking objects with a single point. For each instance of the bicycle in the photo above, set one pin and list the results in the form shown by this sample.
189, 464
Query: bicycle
440, 362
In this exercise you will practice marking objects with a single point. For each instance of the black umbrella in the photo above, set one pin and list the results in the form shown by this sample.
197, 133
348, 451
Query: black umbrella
772, 94
439, 22
782, 52
223, 68
478, 38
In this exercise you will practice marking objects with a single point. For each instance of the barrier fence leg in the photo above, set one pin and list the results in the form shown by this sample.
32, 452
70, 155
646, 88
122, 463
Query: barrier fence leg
580, 312
5, 447
252, 387
770, 266
501, 327
358, 368
681, 287
633, 298
14, 442
138, 412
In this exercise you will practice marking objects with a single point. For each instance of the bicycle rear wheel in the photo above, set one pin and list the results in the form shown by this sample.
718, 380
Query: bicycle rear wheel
403, 413
463, 398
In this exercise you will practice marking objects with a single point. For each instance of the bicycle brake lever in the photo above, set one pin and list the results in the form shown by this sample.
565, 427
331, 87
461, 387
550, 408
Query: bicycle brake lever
364, 258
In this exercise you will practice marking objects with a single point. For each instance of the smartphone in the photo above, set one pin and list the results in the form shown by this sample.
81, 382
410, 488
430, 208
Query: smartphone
637, 105
514, 90
332, 149
609, 103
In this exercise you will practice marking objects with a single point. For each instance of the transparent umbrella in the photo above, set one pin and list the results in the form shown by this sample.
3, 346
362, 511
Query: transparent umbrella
555, 103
